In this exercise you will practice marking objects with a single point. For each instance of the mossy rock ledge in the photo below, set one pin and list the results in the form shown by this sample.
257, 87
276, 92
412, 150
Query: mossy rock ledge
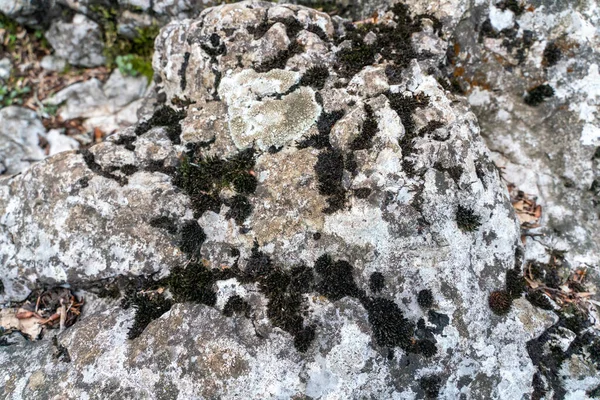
294, 157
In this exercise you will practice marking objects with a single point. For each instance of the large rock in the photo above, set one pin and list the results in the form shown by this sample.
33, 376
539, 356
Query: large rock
368, 184
79, 41
20, 133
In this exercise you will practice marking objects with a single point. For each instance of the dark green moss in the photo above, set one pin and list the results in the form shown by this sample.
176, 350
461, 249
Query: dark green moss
515, 283
325, 122
369, 130
279, 61
192, 238
164, 222
539, 299
90, 161
425, 298
337, 280
166, 117
129, 169
466, 219
193, 283
513, 5
552, 54
236, 305
304, 338
538, 95
315, 77
427, 348
431, 386
126, 141
239, 208
393, 43
148, 308
1, 287
376, 282
390, 328
330, 169
182, 71
203, 179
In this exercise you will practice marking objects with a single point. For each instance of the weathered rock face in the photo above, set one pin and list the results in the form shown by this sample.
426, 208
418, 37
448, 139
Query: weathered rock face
78, 41
20, 131
344, 221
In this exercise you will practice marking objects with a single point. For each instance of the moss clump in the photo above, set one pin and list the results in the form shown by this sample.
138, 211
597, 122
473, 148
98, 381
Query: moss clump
148, 308
427, 348
304, 338
1, 287
431, 385
466, 219
315, 77
203, 179
515, 283
337, 280
538, 95
193, 283
376, 282
552, 54
540, 300
369, 130
164, 222
325, 122
500, 302
236, 305
390, 328
192, 238
425, 298
239, 208
167, 117
330, 170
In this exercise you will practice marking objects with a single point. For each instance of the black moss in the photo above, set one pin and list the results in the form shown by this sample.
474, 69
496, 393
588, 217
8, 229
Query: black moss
259, 264
405, 106
182, 71
91, 163
330, 169
425, 298
369, 130
362, 193
61, 353
203, 179
164, 222
315, 77
552, 54
431, 127
129, 169
1, 287
515, 283
427, 348
148, 308
239, 208
337, 280
325, 122
304, 338
539, 299
390, 328
431, 385
167, 117
193, 283
280, 60
126, 141
376, 282
286, 306
392, 43
500, 302
317, 235
466, 219
192, 238
236, 305
213, 47
538, 95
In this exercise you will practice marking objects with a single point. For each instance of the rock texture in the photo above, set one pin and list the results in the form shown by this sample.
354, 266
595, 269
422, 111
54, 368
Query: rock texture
78, 41
315, 217
20, 132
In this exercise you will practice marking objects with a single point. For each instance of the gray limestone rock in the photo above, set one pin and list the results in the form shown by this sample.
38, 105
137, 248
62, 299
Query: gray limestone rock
20, 132
309, 190
79, 41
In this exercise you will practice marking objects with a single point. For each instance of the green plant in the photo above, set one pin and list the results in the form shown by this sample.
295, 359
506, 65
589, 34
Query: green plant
10, 96
134, 65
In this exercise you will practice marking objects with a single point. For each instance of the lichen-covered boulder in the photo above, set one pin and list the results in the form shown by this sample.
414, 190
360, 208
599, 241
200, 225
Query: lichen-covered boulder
316, 217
